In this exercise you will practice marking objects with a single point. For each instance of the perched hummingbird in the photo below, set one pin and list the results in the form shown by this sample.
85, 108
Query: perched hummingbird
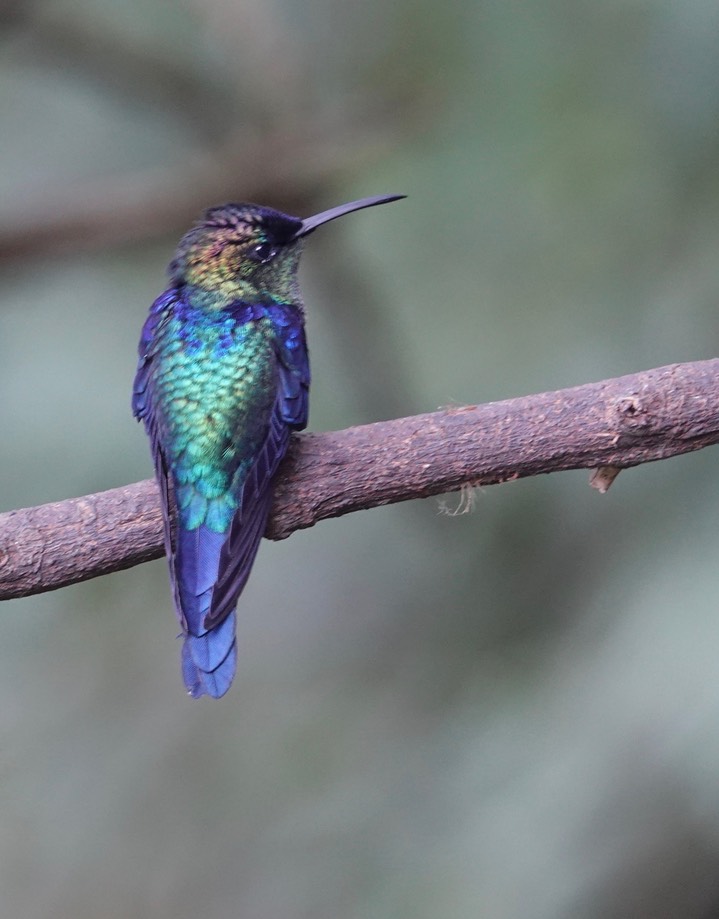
222, 381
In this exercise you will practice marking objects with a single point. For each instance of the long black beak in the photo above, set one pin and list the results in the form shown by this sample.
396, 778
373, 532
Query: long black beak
311, 223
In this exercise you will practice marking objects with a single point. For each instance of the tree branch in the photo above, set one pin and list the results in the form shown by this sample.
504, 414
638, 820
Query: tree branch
615, 423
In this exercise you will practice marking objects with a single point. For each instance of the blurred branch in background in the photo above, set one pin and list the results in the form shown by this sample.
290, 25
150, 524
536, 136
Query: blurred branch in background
258, 125
286, 168
619, 423
257, 140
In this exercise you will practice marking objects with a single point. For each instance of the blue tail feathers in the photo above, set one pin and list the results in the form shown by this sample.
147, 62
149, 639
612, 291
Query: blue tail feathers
209, 660
209, 655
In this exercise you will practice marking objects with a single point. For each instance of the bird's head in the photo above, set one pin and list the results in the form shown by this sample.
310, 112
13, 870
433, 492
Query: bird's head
248, 252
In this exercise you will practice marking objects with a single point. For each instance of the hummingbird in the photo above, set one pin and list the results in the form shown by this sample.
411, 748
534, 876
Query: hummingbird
222, 381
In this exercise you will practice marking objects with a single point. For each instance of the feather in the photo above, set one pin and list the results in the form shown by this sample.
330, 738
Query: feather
249, 523
210, 560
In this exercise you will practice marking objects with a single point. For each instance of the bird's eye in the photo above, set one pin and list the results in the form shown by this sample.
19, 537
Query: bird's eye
263, 252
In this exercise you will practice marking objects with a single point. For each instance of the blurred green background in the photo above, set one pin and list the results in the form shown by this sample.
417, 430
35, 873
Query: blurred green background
508, 713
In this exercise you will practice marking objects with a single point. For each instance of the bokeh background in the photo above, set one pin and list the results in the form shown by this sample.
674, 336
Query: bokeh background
509, 713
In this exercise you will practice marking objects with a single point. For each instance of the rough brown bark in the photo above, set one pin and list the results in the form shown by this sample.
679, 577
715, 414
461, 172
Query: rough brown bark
615, 423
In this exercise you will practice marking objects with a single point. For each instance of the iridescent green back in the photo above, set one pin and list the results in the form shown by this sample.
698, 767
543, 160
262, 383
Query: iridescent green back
216, 384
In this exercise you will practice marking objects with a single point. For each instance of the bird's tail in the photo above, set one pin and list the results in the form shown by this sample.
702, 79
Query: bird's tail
209, 654
209, 660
